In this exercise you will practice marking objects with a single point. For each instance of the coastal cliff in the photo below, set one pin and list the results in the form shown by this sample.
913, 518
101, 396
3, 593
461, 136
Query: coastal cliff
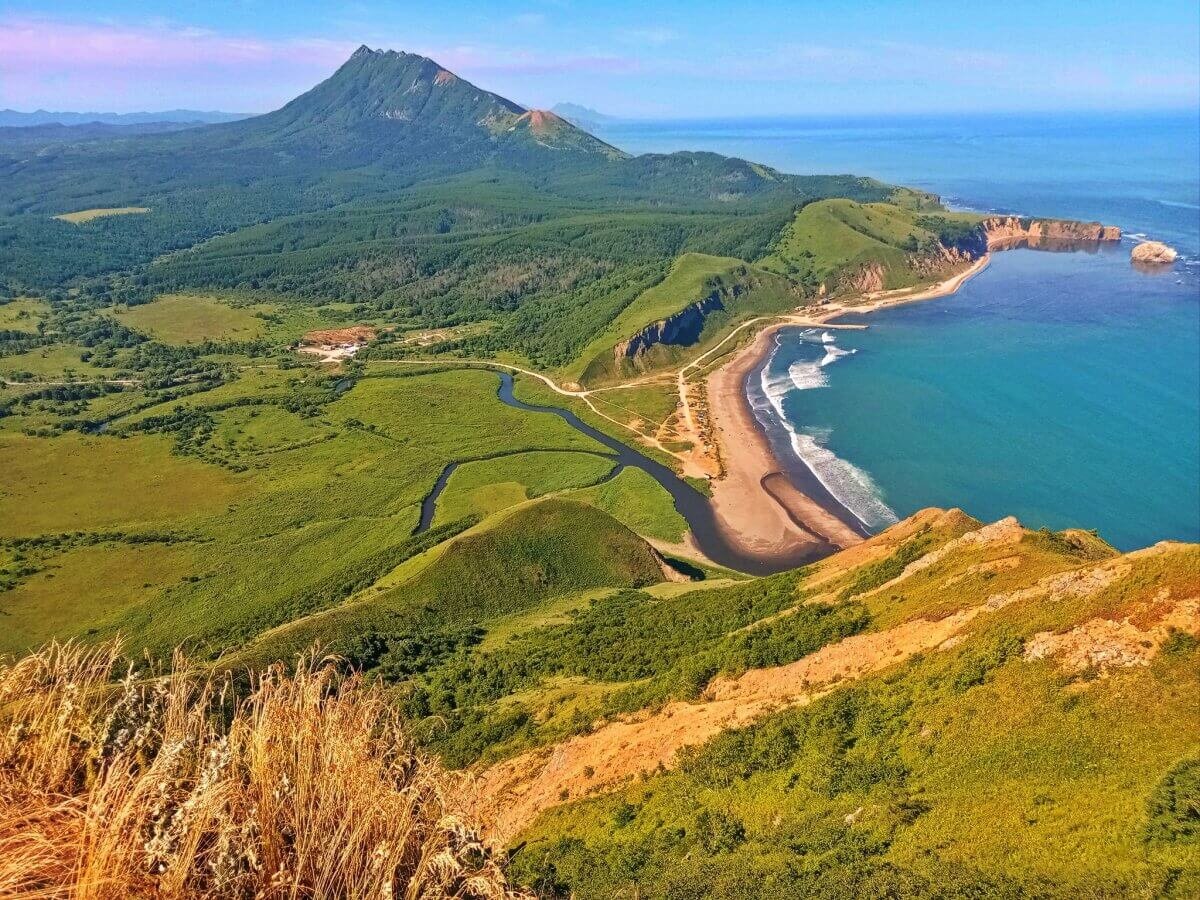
680, 329
1004, 232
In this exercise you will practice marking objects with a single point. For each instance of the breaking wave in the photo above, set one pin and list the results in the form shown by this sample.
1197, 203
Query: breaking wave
851, 486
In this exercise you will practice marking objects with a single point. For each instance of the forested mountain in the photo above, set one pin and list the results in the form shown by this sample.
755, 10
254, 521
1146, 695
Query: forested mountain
382, 123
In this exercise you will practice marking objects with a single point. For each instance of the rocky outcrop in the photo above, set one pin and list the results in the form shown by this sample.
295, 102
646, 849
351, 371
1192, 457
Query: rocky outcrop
868, 279
681, 329
1003, 232
1153, 253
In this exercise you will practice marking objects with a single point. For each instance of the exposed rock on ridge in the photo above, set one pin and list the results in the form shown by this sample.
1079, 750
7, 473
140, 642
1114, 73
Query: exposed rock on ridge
681, 329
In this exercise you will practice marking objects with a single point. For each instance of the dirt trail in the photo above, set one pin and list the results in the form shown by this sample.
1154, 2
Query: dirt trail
512, 793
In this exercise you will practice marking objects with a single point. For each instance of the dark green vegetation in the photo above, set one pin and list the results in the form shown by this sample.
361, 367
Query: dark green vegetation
619, 653
398, 188
972, 771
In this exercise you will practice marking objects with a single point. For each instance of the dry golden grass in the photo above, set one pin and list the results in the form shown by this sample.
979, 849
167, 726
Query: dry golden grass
87, 215
298, 785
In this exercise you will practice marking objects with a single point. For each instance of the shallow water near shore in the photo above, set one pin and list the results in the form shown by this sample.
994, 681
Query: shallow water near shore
1063, 388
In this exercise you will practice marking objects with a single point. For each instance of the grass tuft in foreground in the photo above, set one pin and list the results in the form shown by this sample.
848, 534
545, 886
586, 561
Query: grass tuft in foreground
300, 785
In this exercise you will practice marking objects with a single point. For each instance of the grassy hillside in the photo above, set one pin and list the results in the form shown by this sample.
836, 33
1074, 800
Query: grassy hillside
1046, 748
831, 241
435, 602
692, 277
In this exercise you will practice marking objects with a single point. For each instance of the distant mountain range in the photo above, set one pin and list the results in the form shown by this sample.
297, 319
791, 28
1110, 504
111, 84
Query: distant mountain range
14, 118
582, 116
55, 132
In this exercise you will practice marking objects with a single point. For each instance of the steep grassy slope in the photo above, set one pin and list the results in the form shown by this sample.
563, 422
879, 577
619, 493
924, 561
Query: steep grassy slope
846, 245
435, 602
1014, 717
692, 277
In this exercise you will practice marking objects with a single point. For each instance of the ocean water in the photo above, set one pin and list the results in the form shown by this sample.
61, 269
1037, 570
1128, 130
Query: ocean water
1063, 388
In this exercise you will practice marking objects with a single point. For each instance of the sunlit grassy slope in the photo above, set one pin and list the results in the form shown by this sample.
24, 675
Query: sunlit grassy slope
692, 277
88, 215
833, 238
978, 769
509, 563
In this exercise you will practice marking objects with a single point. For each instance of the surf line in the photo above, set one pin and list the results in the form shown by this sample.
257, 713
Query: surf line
836, 483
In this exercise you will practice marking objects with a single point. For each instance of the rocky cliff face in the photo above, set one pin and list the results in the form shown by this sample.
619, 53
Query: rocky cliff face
1003, 232
681, 329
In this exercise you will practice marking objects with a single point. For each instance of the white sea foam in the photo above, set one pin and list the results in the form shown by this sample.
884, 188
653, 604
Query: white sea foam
833, 353
804, 376
1177, 203
847, 483
852, 486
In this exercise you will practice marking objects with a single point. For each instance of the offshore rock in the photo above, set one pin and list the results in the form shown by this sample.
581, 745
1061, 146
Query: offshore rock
1153, 253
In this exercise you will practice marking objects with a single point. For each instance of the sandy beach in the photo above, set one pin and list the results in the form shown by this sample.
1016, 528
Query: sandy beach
755, 500
760, 505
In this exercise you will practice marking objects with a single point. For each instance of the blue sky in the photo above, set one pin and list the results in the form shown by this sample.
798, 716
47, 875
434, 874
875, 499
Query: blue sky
655, 59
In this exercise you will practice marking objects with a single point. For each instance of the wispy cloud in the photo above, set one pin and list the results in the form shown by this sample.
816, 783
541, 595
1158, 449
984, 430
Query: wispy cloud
47, 61
46, 44
653, 36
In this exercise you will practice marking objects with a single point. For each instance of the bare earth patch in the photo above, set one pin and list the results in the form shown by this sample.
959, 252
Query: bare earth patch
1105, 644
335, 344
514, 791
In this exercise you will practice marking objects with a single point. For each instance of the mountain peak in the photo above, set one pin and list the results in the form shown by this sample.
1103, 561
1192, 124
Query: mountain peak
399, 101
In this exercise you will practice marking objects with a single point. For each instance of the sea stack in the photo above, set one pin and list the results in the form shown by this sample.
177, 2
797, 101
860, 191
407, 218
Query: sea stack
1153, 253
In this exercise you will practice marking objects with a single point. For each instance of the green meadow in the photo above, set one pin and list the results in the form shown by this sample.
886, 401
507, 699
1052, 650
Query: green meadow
189, 319
324, 471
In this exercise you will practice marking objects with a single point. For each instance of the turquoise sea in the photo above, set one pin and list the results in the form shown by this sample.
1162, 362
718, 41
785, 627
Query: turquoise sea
1063, 388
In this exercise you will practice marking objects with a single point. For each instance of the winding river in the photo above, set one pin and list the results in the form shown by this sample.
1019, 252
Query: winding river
695, 508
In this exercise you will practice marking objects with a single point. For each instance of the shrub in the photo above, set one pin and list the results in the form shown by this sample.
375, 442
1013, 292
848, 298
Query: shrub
1174, 808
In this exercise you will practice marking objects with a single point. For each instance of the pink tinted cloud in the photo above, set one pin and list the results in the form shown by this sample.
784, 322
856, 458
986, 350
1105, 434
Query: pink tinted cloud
46, 45
64, 64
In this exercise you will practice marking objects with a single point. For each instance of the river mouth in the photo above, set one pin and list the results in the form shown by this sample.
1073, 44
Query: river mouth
707, 534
